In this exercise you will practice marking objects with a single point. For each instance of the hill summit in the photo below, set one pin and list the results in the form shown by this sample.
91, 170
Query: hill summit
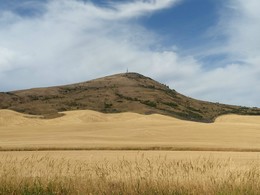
128, 92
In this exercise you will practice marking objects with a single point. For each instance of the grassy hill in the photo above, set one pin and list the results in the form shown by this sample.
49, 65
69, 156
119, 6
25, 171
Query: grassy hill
129, 92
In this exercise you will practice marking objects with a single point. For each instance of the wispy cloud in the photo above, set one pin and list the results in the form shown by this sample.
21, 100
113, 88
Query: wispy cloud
238, 78
138, 8
239, 25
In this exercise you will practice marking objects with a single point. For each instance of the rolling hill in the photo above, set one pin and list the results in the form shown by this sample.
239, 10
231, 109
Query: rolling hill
128, 92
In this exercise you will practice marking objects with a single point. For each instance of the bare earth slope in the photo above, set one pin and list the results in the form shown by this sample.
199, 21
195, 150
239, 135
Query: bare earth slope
90, 129
130, 92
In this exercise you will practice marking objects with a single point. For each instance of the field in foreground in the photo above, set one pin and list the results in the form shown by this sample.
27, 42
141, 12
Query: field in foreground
93, 130
129, 172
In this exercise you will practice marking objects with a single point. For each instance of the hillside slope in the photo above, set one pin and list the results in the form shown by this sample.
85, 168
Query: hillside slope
129, 92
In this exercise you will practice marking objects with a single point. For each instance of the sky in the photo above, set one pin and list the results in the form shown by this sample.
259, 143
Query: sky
205, 49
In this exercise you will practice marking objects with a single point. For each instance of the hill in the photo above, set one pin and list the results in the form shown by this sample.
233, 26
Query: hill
129, 92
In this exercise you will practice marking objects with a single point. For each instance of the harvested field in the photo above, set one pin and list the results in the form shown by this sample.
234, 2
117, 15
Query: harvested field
94, 130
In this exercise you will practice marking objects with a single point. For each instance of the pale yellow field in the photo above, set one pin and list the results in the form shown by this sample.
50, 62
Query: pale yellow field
89, 129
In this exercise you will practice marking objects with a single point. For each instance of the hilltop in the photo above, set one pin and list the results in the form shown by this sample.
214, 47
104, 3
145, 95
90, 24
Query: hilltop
128, 92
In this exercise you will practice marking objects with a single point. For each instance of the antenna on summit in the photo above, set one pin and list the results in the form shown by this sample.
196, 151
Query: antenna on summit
127, 70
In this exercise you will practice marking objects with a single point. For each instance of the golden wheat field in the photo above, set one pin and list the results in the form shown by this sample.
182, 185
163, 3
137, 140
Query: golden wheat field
86, 152
129, 172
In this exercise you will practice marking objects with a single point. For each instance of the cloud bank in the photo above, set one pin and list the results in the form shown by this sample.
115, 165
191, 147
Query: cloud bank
73, 41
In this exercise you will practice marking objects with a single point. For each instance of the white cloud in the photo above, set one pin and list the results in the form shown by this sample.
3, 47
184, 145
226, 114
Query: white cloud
241, 26
236, 80
75, 41
6, 58
138, 8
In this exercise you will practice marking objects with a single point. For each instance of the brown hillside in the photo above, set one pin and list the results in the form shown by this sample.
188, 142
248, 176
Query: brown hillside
129, 92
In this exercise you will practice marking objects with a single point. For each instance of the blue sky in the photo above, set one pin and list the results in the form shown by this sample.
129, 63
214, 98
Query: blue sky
206, 49
184, 25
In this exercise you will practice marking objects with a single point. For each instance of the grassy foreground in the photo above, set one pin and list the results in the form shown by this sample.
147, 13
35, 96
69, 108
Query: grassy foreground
46, 175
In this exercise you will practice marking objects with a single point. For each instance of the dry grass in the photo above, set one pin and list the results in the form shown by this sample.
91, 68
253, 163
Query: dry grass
47, 175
